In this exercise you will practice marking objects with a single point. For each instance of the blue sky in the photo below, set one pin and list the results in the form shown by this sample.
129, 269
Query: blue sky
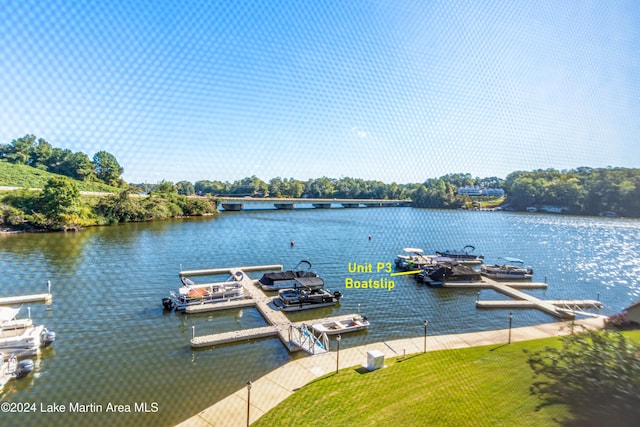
396, 91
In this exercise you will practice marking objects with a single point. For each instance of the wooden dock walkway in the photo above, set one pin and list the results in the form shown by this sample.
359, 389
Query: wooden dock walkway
489, 284
21, 299
233, 336
562, 309
214, 271
279, 323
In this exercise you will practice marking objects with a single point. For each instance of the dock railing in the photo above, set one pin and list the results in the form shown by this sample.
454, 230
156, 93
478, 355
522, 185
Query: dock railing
306, 340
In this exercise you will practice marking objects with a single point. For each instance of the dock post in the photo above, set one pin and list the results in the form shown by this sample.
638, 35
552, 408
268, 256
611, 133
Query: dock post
426, 323
249, 384
193, 332
28, 312
510, 322
49, 287
338, 338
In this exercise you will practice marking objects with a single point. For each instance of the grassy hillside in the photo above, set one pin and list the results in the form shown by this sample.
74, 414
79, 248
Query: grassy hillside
12, 175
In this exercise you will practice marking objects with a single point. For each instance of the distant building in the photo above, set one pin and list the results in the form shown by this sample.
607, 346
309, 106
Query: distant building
479, 191
633, 312
554, 209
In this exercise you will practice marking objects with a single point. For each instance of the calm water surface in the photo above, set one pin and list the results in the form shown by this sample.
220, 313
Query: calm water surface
116, 345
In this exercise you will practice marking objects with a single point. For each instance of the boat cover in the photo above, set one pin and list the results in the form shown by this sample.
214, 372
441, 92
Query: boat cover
269, 279
310, 282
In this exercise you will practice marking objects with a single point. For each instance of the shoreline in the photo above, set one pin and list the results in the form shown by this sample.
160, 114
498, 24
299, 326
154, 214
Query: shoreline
271, 389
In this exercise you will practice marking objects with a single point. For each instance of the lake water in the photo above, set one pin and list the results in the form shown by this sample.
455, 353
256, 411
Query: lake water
115, 344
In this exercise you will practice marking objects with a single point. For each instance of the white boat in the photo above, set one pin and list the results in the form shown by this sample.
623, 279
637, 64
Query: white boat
10, 368
412, 259
291, 278
206, 293
357, 323
305, 299
19, 336
513, 270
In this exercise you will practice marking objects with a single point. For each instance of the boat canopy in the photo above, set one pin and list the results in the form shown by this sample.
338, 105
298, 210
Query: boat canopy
413, 250
8, 313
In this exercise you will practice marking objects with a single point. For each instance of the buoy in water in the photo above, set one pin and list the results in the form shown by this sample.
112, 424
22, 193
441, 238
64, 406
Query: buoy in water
292, 243
370, 237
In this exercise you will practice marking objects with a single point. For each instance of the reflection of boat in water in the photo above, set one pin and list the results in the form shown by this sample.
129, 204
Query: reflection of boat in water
464, 256
19, 336
412, 259
303, 299
10, 368
207, 293
356, 323
290, 278
442, 272
514, 270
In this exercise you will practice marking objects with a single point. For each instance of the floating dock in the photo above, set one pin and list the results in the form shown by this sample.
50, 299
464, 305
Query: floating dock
563, 309
279, 323
214, 271
281, 330
21, 299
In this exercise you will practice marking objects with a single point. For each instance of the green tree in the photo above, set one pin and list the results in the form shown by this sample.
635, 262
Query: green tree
107, 168
212, 187
276, 187
20, 150
595, 373
59, 201
322, 187
185, 188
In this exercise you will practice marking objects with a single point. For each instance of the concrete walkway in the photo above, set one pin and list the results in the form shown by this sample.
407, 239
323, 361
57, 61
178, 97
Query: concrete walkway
276, 386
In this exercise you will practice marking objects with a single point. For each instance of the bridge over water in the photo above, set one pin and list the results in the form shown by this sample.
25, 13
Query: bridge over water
238, 203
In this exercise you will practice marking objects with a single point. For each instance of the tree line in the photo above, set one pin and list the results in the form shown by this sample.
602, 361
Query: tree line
580, 191
59, 206
350, 188
38, 153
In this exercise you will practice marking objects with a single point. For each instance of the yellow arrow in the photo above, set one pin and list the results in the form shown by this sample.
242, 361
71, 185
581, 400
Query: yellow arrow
405, 273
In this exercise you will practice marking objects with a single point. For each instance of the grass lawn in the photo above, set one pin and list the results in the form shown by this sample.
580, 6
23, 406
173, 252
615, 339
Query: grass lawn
478, 386
12, 175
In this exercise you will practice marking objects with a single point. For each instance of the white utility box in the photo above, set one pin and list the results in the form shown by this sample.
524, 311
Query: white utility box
375, 360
